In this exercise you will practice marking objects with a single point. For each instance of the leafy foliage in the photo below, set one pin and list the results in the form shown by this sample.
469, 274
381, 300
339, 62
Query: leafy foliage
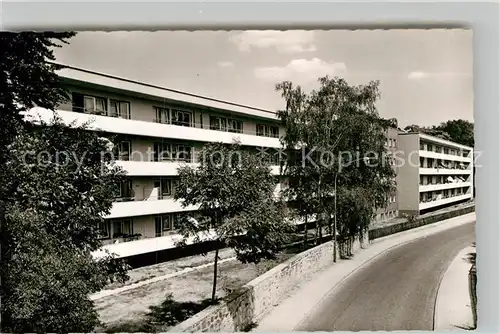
328, 131
54, 189
53, 210
459, 131
234, 190
26, 79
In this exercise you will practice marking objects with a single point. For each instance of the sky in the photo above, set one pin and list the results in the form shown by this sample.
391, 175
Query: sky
425, 76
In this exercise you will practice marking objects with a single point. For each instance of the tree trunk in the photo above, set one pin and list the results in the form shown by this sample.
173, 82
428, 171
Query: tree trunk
320, 234
305, 233
216, 259
317, 232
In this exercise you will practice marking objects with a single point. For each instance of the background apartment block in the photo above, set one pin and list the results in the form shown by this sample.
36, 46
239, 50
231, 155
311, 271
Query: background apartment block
435, 173
391, 210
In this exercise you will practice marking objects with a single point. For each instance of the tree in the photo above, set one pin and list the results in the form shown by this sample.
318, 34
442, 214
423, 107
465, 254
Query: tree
339, 122
61, 180
26, 78
234, 190
49, 208
460, 131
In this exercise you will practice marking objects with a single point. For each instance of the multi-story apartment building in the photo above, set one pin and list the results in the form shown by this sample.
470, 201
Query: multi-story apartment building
391, 210
434, 173
158, 129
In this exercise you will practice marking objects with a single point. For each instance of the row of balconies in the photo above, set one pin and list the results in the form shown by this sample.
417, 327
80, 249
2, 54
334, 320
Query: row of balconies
158, 130
440, 164
440, 155
172, 115
444, 150
443, 171
438, 201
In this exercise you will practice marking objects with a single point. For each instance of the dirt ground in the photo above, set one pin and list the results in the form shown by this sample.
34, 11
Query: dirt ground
145, 273
132, 306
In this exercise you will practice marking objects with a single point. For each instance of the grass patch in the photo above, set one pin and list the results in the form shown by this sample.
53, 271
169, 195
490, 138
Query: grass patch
168, 314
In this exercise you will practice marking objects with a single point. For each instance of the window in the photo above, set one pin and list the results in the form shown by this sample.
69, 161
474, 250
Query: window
124, 150
218, 123
89, 104
235, 126
162, 152
123, 191
164, 188
182, 153
162, 115
267, 131
421, 180
103, 229
226, 124
122, 227
429, 147
163, 223
120, 109
182, 117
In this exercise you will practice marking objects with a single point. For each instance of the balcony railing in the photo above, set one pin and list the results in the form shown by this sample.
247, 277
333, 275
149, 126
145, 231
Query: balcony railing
192, 124
437, 201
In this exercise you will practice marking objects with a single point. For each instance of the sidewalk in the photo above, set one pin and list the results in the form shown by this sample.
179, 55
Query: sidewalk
453, 305
286, 316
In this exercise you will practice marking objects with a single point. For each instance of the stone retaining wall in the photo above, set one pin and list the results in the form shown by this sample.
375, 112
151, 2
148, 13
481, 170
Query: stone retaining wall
426, 220
241, 309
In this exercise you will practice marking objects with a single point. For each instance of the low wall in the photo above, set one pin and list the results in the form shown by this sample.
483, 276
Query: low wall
238, 311
241, 309
421, 221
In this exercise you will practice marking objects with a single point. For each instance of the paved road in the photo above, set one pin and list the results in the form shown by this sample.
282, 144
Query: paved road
396, 291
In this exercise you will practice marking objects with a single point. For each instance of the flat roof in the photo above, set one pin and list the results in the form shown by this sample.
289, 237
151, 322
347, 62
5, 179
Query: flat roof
75, 74
436, 140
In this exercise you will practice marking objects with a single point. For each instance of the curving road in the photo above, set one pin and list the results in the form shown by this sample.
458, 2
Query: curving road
394, 292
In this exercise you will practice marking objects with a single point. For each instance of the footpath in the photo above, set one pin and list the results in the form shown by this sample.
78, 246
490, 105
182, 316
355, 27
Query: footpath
286, 316
453, 305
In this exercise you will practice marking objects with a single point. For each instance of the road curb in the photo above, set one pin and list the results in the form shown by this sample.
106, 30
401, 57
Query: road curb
458, 256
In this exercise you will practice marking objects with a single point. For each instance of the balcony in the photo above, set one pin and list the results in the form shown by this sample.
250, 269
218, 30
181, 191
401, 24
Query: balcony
442, 156
153, 244
443, 186
159, 130
163, 168
443, 201
444, 171
146, 245
146, 207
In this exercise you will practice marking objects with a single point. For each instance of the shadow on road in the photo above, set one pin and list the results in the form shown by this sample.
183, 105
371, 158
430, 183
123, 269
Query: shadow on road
471, 257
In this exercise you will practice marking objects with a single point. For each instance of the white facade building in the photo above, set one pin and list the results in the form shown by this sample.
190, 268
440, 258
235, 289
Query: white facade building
159, 129
433, 173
